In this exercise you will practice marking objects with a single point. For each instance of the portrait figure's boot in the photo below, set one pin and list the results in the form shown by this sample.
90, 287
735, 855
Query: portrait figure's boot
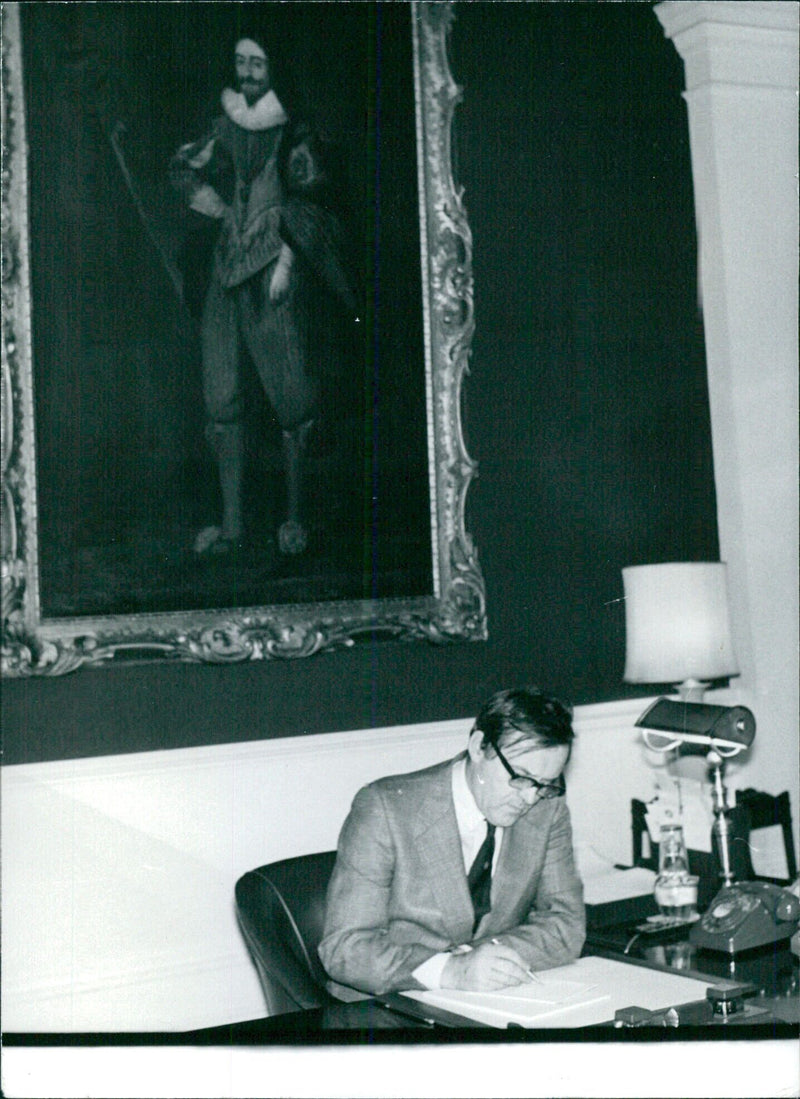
227, 442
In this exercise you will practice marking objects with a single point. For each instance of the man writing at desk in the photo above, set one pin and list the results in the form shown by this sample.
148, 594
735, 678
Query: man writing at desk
461, 875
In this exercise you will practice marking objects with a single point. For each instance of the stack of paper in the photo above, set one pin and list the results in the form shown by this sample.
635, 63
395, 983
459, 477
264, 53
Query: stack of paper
526, 1004
585, 993
604, 883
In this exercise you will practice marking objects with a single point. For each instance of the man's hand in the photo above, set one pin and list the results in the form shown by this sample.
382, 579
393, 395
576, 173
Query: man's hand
281, 277
184, 178
488, 966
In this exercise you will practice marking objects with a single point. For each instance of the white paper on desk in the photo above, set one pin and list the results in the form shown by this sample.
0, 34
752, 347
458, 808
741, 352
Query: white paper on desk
525, 1004
608, 985
603, 882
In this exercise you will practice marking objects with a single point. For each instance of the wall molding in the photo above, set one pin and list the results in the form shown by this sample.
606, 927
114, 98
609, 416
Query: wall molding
589, 719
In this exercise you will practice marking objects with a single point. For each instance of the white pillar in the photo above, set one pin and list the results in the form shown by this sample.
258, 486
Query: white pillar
741, 89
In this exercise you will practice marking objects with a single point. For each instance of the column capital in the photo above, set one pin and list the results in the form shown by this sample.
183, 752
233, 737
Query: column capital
735, 42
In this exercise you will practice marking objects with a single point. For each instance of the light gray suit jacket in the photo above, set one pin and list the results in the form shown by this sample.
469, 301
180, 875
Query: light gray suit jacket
399, 893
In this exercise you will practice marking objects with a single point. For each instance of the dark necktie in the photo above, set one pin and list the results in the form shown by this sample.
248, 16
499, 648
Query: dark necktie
479, 878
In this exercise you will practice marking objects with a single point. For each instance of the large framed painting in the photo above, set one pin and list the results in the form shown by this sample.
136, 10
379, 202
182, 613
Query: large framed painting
237, 316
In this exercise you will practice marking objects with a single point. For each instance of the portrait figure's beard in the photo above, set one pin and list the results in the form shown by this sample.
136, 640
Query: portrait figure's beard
253, 90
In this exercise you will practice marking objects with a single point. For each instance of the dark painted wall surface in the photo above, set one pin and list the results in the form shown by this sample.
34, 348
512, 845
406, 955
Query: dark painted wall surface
586, 407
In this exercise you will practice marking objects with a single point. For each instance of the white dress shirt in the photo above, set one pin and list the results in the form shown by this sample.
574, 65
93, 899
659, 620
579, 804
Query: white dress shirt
472, 830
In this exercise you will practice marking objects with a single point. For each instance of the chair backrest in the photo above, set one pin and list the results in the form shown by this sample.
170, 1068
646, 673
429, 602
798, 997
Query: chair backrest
281, 912
765, 811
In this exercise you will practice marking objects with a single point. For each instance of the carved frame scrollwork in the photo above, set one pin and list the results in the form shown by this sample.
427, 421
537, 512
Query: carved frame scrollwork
33, 646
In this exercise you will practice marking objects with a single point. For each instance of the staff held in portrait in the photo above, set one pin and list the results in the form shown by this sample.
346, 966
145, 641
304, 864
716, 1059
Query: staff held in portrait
461, 875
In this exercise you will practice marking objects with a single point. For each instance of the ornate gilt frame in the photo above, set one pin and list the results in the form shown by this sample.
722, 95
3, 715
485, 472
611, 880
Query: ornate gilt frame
32, 645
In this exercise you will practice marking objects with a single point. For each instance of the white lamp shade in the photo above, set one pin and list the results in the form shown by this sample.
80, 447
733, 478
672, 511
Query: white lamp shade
677, 623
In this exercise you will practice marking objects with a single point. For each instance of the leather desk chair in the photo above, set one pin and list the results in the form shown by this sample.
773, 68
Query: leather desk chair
281, 911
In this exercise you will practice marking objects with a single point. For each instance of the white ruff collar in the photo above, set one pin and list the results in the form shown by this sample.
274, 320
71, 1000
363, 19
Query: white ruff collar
265, 113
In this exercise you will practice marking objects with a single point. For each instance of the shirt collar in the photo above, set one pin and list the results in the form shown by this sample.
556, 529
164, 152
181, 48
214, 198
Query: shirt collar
265, 113
468, 815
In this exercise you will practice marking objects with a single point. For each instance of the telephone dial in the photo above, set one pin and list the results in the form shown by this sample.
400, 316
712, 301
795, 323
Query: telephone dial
746, 915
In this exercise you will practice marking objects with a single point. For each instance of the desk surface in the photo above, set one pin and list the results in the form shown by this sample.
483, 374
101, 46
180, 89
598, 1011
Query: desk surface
772, 969
369, 1022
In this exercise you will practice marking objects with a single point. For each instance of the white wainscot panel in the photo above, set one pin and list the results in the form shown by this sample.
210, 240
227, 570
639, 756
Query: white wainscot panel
118, 872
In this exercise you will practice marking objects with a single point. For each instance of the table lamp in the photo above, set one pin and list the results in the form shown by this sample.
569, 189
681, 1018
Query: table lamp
678, 626
678, 631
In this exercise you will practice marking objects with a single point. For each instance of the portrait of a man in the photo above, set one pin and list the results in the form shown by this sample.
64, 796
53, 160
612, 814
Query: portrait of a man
275, 257
227, 306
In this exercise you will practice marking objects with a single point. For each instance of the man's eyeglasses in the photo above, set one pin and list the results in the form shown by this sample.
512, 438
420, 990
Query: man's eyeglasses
525, 782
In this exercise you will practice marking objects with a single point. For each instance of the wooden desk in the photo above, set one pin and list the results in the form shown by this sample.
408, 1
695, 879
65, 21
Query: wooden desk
368, 1022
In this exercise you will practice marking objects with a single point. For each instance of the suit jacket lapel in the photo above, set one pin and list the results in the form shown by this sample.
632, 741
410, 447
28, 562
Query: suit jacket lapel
436, 832
513, 871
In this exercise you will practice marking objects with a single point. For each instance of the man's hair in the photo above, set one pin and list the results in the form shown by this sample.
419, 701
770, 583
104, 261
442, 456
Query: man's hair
539, 717
252, 36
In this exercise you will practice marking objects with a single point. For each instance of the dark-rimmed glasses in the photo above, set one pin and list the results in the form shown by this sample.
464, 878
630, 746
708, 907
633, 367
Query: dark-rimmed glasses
545, 790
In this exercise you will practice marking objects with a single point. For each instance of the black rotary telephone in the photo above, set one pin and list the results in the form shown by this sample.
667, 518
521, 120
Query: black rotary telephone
746, 915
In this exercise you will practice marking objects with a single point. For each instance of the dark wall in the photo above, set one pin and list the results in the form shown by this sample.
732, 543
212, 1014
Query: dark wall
586, 406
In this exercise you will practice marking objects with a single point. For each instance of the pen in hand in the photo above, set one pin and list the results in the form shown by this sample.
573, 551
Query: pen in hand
529, 972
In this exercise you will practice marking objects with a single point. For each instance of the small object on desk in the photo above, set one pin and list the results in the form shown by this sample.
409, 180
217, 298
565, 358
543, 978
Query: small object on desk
632, 1017
654, 924
729, 1000
675, 888
657, 929
721, 1006
677, 896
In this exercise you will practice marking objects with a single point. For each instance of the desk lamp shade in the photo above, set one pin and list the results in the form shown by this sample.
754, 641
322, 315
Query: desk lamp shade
677, 625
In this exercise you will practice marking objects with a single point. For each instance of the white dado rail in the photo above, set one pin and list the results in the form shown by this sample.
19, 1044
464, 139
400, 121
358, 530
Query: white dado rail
118, 872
